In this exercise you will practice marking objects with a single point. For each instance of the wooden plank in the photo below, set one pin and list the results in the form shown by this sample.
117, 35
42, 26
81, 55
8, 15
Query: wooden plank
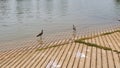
68, 55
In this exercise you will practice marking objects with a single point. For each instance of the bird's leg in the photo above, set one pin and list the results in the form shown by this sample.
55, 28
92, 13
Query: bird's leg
74, 35
41, 41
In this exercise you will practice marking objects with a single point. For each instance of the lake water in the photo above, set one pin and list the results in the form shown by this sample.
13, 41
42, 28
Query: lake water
25, 18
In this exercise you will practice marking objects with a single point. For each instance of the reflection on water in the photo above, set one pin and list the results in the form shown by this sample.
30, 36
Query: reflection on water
49, 10
25, 18
40, 41
74, 34
117, 1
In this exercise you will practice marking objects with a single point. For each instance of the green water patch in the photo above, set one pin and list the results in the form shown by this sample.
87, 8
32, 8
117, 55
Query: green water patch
53, 46
81, 40
103, 34
96, 45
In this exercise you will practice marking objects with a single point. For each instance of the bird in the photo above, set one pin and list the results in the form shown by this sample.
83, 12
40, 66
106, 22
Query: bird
74, 28
74, 32
40, 34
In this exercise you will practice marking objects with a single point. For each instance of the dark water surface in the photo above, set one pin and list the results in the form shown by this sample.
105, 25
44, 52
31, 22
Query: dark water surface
25, 18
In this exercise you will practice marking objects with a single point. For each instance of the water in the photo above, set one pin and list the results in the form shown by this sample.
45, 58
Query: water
25, 18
